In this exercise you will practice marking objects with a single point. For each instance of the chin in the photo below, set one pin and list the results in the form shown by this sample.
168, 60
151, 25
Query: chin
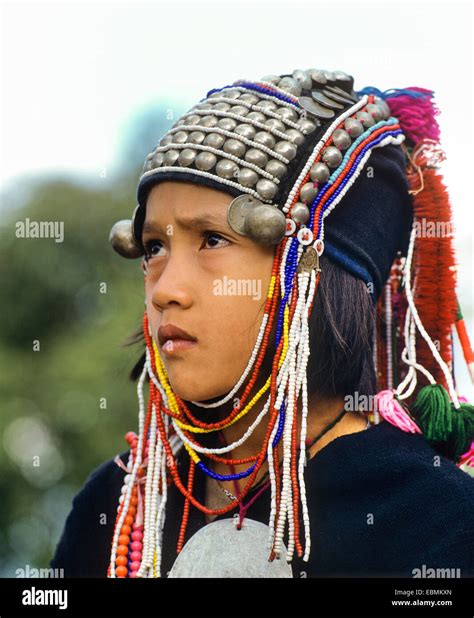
194, 389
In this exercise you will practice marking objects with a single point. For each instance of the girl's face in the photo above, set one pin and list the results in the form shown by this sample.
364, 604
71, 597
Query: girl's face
205, 279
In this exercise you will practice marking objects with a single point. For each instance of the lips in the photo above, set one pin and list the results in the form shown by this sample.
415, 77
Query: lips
170, 331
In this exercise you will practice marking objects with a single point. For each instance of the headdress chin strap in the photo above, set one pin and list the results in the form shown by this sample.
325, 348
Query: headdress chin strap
314, 129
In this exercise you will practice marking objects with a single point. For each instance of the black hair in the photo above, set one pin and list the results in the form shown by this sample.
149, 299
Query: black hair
341, 328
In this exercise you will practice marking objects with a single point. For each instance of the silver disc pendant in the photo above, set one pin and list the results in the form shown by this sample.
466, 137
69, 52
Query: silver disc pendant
238, 210
220, 550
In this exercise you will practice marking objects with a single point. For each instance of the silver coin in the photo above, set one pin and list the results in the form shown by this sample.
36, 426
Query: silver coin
238, 210
313, 107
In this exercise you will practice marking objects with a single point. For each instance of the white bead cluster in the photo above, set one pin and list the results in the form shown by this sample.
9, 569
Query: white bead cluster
409, 352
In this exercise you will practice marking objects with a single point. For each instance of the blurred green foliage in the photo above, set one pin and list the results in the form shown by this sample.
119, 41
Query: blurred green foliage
79, 301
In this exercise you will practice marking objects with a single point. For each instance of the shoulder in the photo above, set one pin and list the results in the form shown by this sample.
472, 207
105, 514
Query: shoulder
405, 500
83, 548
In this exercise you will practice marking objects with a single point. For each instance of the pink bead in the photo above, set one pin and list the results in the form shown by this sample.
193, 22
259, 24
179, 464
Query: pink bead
132, 574
136, 546
137, 535
135, 565
136, 556
137, 527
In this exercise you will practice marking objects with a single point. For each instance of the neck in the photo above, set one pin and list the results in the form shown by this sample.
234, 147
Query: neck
321, 412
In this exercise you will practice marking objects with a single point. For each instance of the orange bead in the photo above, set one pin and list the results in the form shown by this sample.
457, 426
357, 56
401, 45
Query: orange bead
121, 560
132, 511
140, 472
124, 539
122, 550
121, 571
129, 520
126, 529
134, 501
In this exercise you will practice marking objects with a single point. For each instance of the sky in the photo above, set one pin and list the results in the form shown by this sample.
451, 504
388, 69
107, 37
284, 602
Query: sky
75, 75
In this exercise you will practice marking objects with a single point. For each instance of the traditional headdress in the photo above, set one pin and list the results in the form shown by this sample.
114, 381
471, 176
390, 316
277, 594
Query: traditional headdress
291, 150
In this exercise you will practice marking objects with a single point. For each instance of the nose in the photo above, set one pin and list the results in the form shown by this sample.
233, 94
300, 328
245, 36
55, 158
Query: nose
173, 285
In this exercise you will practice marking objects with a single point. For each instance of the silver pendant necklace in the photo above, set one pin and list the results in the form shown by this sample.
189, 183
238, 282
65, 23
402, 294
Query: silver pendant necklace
221, 550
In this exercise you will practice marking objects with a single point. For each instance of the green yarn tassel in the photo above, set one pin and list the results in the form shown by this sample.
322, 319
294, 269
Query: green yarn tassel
450, 430
463, 429
433, 411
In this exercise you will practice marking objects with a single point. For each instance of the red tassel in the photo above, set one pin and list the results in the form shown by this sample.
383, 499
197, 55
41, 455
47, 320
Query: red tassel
434, 269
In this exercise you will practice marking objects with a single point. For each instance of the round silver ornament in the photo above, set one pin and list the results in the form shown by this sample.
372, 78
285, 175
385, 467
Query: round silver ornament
266, 224
238, 210
123, 241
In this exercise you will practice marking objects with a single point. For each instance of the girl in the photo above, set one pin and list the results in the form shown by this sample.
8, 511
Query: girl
302, 416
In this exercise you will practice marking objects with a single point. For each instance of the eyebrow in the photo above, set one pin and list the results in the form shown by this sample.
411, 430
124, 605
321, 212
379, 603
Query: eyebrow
196, 223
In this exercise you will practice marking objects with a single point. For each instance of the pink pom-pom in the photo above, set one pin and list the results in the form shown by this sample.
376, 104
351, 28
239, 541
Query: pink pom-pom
416, 115
390, 409
467, 458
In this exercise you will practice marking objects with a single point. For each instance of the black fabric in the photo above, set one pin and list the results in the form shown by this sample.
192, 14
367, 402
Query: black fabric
373, 221
421, 512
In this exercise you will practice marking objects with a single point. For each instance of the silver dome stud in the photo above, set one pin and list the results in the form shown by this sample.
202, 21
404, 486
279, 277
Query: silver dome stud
319, 172
205, 161
192, 119
249, 98
286, 149
208, 121
341, 139
222, 107
158, 159
366, 119
290, 85
228, 124
196, 137
332, 156
300, 213
171, 156
296, 137
271, 79
258, 116
123, 241
246, 130
167, 139
267, 139
308, 125
186, 157
215, 140
247, 177
287, 113
375, 111
266, 188
226, 168
274, 123
266, 224
308, 192
234, 147
256, 157
353, 127
276, 168
180, 137
241, 110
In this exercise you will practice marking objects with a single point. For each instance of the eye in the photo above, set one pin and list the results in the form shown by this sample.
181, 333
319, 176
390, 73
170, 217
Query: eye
214, 235
151, 249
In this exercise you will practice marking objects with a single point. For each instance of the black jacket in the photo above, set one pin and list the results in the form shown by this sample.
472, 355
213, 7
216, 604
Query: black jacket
381, 503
